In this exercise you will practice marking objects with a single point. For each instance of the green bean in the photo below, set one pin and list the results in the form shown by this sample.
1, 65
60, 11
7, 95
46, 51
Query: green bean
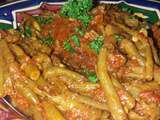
41, 82
27, 92
51, 111
69, 99
82, 87
56, 71
142, 43
9, 58
8, 83
131, 50
43, 60
110, 93
1, 74
129, 100
74, 99
19, 53
67, 103
37, 115
89, 101
33, 86
30, 69
135, 89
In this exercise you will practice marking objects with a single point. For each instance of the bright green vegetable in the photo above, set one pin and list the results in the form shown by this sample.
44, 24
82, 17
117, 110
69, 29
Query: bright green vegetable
118, 37
92, 78
90, 75
97, 44
78, 9
76, 40
43, 20
68, 47
47, 40
85, 19
27, 31
80, 31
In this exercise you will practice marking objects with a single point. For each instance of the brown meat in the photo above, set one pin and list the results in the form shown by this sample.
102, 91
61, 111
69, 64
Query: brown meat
61, 30
84, 57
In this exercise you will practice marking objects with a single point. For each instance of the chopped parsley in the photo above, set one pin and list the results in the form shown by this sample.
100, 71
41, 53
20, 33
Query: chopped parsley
118, 37
43, 20
78, 9
85, 19
92, 78
76, 40
97, 44
27, 31
47, 40
68, 47
90, 75
80, 31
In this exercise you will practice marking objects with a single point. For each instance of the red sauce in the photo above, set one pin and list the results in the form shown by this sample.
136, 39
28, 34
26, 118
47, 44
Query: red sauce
151, 96
116, 60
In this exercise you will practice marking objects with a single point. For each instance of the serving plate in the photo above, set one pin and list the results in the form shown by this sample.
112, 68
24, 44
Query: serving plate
10, 17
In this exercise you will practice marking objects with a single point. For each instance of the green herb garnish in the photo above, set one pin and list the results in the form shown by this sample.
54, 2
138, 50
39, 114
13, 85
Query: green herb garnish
68, 47
78, 9
90, 75
97, 44
92, 78
80, 31
27, 31
118, 37
43, 20
76, 40
85, 19
47, 40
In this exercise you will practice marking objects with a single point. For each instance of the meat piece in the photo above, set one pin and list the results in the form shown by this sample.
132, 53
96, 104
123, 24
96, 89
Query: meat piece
62, 30
83, 56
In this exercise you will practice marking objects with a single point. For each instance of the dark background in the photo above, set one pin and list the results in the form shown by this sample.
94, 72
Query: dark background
2, 2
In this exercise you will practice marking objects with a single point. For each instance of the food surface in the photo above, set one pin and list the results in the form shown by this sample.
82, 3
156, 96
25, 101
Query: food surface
83, 62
